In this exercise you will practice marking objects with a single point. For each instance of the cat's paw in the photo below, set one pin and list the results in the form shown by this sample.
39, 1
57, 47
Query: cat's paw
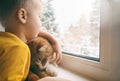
51, 73
51, 70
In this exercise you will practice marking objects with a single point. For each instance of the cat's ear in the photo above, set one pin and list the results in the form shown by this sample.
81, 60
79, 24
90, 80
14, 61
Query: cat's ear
43, 48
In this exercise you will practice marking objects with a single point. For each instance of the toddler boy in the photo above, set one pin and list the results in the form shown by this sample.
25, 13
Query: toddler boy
21, 20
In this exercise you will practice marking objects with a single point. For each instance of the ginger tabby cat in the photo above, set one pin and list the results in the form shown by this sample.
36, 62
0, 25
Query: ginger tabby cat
41, 55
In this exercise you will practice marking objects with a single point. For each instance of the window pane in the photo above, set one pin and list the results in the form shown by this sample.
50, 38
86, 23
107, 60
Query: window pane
75, 23
1, 28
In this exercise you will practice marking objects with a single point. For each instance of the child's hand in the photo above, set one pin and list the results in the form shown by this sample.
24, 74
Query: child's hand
52, 79
58, 52
55, 45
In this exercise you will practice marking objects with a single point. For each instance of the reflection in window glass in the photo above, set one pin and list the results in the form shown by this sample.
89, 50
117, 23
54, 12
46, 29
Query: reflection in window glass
75, 23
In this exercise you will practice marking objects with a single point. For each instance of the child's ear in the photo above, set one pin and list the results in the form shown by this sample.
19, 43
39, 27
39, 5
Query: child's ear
22, 15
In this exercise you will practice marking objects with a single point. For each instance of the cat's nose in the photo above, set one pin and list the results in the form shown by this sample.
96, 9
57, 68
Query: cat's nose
44, 67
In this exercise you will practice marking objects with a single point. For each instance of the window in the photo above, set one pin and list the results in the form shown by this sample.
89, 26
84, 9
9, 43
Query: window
1, 28
76, 24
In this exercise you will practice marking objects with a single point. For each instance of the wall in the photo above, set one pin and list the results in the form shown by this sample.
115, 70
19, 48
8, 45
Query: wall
115, 39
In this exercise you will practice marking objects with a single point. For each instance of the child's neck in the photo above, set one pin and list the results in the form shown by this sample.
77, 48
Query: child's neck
18, 33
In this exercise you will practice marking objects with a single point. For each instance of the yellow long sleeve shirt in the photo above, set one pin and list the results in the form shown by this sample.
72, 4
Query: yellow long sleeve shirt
14, 58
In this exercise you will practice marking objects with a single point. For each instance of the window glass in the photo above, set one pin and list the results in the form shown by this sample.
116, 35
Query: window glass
75, 23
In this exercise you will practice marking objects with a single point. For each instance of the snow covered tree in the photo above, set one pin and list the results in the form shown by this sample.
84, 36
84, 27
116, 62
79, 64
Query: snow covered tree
48, 18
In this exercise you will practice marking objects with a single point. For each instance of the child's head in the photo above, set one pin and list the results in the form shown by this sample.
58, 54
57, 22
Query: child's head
21, 15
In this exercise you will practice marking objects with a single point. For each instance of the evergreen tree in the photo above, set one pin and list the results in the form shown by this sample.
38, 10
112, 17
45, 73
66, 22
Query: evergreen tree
48, 18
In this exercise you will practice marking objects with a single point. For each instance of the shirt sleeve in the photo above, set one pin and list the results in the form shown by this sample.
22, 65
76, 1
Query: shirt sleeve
14, 64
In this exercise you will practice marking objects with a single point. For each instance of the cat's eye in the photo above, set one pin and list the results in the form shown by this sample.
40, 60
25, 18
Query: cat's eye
40, 59
44, 61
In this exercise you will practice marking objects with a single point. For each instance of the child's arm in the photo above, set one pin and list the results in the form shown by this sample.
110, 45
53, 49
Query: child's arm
52, 79
54, 43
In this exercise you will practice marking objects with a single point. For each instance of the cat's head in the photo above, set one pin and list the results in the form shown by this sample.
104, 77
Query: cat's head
41, 52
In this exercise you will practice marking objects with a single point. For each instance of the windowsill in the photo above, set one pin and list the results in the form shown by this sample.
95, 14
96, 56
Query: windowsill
63, 73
